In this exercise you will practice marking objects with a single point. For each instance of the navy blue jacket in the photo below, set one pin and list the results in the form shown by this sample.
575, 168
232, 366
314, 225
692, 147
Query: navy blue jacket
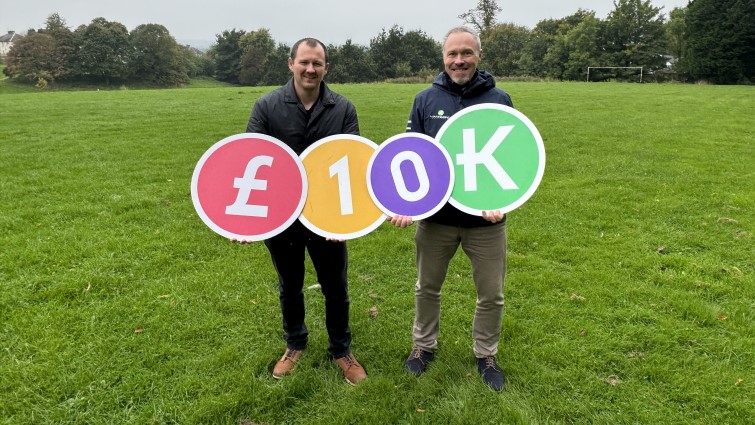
436, 104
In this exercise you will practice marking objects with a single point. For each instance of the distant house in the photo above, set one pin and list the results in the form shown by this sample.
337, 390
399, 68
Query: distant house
7, 40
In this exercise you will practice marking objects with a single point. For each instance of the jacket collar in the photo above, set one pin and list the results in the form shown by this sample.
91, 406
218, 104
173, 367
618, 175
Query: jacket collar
481, 81
326, 96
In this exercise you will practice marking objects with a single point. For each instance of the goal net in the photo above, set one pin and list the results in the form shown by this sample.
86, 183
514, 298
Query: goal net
614, 73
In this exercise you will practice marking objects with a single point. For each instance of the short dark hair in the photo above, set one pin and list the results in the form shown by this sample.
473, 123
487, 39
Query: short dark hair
311, 42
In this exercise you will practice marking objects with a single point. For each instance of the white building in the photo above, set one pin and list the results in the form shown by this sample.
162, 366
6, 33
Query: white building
7, 40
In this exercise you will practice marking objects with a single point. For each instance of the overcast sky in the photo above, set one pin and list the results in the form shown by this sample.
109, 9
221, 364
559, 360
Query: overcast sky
331, 21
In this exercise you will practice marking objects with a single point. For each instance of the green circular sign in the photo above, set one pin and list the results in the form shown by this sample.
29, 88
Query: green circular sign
498, 158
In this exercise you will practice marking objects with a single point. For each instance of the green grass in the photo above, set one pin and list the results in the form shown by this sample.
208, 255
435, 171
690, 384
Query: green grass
8, 86
630, 295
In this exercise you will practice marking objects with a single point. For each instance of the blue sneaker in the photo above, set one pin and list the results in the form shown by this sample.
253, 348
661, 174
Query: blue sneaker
417, 362
491, 373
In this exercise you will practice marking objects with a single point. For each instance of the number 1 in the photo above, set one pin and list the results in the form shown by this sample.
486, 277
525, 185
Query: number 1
341, 167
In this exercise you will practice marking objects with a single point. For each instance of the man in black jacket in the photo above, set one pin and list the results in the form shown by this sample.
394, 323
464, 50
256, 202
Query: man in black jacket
300, 113
438, 237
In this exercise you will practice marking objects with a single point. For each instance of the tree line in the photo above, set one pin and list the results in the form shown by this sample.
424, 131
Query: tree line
711, 40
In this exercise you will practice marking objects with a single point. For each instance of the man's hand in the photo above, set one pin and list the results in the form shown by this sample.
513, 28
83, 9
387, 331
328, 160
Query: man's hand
493, 216
241, 241
401, 221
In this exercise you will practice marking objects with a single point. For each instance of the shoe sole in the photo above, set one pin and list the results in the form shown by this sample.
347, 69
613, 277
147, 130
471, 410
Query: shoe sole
413, 373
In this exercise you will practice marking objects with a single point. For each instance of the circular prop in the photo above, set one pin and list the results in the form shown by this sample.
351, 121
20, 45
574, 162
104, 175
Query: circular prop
411, 175
338, 204
498, 157
249, 187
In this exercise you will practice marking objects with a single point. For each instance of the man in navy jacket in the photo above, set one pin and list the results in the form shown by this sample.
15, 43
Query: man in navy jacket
437, 238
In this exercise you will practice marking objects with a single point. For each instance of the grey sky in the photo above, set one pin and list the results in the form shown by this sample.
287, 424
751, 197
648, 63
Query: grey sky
332, 21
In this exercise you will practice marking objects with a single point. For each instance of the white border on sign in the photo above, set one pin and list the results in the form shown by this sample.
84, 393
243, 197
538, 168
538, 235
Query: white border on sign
448, 161
324, 233
540, 150
230, 235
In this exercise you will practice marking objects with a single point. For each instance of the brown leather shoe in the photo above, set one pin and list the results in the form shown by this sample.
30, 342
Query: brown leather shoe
352, 370
286, 363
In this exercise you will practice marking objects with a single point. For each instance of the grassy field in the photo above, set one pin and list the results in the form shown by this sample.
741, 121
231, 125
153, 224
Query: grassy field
630, 292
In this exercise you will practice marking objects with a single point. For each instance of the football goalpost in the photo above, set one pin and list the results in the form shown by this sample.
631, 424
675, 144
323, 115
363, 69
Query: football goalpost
589, 68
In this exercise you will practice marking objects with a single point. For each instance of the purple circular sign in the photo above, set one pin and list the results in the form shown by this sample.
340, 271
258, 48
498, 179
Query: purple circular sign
410, 174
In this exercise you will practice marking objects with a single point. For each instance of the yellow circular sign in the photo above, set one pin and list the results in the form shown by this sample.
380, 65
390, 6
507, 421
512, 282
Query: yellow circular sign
339, 204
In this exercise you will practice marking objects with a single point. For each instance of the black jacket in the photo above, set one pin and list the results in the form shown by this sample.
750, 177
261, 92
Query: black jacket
434, 105
280, 114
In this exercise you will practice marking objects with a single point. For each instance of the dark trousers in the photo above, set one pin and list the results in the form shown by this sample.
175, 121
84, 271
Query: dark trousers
330, 262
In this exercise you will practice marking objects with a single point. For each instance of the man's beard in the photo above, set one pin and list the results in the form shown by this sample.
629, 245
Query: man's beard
461, 80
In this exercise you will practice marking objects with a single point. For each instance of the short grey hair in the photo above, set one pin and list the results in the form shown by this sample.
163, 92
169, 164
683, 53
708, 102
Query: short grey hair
467, 30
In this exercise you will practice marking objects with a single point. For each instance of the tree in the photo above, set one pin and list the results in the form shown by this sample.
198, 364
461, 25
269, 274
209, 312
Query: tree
482, 17
227, 56
634, 35
55, 23
31, 58
48, 53
385, 50
350, 63
676, 32
743, 13
422, 53
546, 52
66, 47
198, 64
556, 57
396, 54
582, 46
156, 57
506, 43
256, 48
720, 41
104, 51
276, 71
534, 51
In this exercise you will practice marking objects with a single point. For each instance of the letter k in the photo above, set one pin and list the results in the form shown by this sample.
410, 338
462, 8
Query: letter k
470, 158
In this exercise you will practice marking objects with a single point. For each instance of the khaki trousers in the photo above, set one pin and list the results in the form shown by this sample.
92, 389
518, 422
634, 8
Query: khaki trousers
486, 248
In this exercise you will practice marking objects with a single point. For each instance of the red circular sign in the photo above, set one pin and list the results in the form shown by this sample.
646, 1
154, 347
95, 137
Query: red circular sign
249, 187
